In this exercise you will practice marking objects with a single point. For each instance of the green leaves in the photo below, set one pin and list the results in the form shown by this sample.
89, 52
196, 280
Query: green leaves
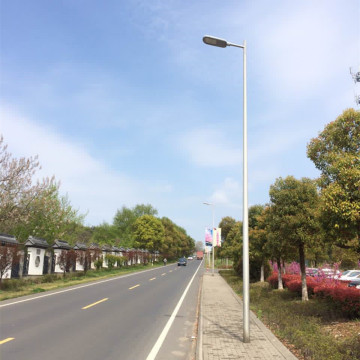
336, 153
148, 233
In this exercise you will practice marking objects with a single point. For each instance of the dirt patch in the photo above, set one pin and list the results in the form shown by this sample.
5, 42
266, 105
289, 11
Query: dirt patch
342, 330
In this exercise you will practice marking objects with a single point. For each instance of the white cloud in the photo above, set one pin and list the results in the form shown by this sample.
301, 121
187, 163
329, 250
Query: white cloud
91, 186
210, 148
229, 193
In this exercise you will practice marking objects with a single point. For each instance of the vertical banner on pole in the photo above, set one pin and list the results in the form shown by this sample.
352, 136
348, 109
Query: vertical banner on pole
217, 237
208, 236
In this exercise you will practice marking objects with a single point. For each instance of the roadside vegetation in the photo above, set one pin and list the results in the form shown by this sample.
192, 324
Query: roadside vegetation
36, 208
308, 223
316, 329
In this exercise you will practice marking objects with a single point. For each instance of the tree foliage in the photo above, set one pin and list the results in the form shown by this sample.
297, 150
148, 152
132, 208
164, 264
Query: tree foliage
32, 208
148, 233
336, 153
294, 204
125, 218
17, 188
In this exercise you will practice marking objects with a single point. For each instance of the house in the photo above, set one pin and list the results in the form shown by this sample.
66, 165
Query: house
7, 266
106, 250
59, 246
95, 253
81, 262
35, 259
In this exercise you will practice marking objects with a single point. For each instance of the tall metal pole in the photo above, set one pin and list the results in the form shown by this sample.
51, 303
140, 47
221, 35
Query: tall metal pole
213, 247
246, 274
213, 41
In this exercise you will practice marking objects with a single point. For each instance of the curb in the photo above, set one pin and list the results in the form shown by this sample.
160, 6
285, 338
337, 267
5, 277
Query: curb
199, 350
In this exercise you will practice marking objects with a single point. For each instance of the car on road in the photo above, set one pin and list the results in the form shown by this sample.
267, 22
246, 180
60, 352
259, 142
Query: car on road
190, 258
182, 262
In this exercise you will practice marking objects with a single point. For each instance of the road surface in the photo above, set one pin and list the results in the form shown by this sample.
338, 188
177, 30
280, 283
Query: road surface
129, 317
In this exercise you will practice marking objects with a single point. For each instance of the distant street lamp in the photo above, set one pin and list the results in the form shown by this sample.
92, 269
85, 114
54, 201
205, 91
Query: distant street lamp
210, 40
213, 225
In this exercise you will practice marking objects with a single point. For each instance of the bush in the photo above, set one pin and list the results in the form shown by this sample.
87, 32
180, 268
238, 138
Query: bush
300, 323
49, 278
344, 297
98, 264
348, 299
12, 284
255, 269
111, 260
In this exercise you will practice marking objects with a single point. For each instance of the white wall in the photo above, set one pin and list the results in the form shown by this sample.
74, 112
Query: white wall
36, 262
105, 263
57, 253
7, 274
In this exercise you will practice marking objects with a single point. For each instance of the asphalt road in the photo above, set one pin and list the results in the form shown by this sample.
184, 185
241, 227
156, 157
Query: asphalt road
119, 318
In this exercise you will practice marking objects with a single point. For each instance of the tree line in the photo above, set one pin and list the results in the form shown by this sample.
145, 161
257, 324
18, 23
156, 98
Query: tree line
307, 220
30, 207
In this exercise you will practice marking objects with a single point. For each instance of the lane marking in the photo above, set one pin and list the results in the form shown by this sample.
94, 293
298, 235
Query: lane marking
163, 274
134, 287
160, 340
152, 279
170, 271
95, 303
77, 287
6, 340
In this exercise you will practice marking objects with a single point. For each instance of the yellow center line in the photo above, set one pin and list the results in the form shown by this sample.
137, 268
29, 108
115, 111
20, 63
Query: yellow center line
134, 287
163, 274
6, 340
170, 271
152, 279
95, 303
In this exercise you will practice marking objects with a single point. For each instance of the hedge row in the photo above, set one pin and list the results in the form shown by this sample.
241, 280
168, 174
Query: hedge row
347, 298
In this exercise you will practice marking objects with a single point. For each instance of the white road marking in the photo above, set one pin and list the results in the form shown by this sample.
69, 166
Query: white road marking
77, 287
166, 329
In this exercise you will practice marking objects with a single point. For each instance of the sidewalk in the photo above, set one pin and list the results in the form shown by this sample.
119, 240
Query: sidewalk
220, 327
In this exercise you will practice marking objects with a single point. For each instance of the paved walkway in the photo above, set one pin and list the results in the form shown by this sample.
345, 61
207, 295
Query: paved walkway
220, 327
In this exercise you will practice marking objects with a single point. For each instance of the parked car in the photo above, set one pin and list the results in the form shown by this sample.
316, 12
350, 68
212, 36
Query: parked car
311, 271
328, 273
182, 261
355, 282
349, 275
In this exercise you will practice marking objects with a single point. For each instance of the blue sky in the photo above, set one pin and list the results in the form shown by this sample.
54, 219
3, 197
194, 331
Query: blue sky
124, 104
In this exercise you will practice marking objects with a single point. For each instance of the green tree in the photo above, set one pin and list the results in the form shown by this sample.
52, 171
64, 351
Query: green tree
126, 217
257, 240
18, 190
51, 217
294, 205
336, 153
148, 233
105, 234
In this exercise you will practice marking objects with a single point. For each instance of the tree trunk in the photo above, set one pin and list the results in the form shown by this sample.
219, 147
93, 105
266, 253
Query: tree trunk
304, 291
280, 282
262, 273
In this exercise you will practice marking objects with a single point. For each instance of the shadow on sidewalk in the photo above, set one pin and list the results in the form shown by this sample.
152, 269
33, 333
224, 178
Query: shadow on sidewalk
228, 332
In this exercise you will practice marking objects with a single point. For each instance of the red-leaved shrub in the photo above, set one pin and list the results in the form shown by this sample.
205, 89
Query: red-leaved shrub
348, 299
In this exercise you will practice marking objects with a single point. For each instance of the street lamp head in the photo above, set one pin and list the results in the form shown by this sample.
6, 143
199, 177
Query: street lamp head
207, 203
210, 40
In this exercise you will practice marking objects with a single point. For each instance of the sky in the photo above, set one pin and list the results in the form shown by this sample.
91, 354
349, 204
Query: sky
124, 103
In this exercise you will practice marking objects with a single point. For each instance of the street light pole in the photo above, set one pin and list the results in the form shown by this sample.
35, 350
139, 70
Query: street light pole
213, 226
210, 40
